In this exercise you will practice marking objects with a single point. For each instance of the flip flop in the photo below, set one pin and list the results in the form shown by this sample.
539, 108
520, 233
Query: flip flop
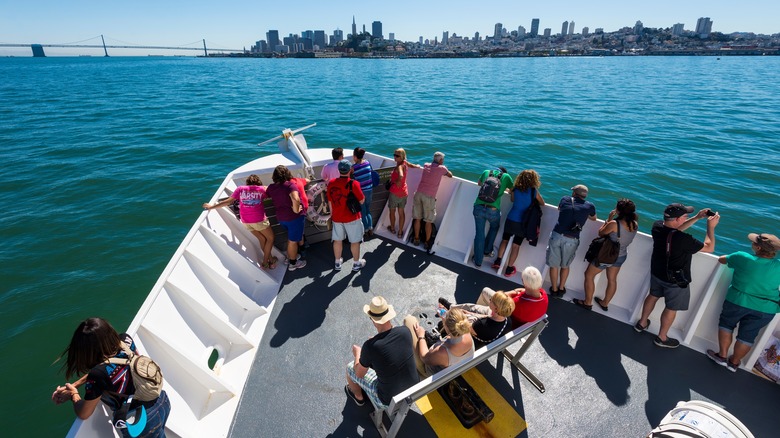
603, 307
582, 304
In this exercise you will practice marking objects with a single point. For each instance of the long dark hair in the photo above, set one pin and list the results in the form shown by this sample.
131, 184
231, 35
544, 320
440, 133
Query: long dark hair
281, 174
93, 342
626, 211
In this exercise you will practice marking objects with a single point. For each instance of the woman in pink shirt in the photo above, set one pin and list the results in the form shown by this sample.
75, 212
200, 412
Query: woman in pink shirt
252, 213
398, 191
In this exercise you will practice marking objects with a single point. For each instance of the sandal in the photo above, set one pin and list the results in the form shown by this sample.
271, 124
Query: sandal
400, 234
390, 229
601, 304
582, 304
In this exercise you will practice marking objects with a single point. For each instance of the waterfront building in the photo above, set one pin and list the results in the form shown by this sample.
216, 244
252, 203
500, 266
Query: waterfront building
585, 31
564, 28
272, 36
308, 44
338, 36
547, 32
677, 29
291, 42
354, 27
703, 27
599, 30
260, 47
445, 38
421, 39
571, 28
534, 28
520, 32
476, 37
392, 37
497, 31
638, 28
376, 30
319, 39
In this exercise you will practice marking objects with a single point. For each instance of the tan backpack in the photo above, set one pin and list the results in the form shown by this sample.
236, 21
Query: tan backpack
147, 375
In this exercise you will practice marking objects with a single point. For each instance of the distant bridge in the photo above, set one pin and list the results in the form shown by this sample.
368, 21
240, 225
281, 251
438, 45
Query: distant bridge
38, 52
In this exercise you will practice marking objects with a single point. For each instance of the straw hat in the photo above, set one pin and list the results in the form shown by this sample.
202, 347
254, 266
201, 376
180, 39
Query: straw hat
379, 311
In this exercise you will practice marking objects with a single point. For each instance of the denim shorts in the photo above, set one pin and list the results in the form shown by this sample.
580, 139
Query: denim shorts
750, 321
675, 297
618, 263
561, 250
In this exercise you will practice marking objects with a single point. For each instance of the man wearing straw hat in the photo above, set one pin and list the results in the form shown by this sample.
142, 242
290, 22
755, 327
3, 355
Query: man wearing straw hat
385, 365
751, 301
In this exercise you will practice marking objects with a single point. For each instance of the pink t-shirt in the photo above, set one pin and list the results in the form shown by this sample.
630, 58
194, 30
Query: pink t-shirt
250, 200
431, 178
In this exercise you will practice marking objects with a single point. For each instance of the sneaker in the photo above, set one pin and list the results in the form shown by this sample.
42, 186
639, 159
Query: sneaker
716, 358
297, 265
445, 303
490, 255
352, 396
496, 263
358, 265
732, 366
638, 326
339, 262
510, 271
668, 343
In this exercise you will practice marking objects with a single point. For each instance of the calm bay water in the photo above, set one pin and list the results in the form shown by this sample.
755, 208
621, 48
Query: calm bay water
107, 161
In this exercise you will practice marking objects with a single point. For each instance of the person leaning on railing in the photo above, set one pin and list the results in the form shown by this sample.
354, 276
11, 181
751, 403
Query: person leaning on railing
752, 300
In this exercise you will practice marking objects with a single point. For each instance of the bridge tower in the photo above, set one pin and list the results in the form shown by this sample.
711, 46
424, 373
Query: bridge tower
104, 45
205, 52
37, 50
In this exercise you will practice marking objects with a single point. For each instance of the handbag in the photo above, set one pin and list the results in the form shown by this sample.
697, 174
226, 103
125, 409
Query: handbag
353, 205
603, 250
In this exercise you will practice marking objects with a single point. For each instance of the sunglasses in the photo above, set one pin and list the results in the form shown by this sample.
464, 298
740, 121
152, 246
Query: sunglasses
397, 155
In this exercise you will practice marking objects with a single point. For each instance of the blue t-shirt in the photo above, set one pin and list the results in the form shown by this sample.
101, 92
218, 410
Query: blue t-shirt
523, 200
573, 210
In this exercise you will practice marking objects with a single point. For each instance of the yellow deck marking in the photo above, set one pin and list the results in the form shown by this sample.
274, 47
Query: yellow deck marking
506, 422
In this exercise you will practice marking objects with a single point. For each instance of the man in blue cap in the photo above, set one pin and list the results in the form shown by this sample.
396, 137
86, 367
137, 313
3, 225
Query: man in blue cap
346, 224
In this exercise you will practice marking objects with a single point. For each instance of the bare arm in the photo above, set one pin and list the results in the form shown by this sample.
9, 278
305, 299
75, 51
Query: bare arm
224, 202
82, 408
539, 198
360, 370
296, 202
692, 220
449, 174
709, 240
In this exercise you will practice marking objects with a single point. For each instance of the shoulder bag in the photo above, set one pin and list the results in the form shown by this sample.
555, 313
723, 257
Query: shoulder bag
603, 250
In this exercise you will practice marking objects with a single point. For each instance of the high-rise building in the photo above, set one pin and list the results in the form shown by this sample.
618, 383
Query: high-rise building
376, 30
497, 30
338, 36
585, 31
319, 39
392, 37
272, 36
520, 32
421, 39
354, 27
678, 29
638, 28
308, 34
291, 42
547, 32
476, 36
445, 38
704, 27
534, 28
571, 28
564, 28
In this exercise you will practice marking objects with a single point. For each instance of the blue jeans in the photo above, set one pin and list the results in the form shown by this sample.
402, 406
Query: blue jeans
156, 416
484, 243
365, 211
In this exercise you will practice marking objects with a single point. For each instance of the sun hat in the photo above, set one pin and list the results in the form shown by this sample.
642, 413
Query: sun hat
767, 242
344, 167
580, 190
379, 311
673, 211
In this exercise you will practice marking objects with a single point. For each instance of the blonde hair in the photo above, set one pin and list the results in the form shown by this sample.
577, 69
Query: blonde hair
401, 152
504, 305
527, 179
456, 322
532, 278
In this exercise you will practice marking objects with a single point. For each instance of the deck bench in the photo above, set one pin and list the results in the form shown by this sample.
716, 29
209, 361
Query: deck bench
399, 405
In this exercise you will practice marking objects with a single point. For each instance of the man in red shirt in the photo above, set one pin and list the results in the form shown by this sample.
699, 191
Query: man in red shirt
345, 223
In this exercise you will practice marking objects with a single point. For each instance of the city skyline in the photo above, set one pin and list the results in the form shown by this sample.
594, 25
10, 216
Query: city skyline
240, 23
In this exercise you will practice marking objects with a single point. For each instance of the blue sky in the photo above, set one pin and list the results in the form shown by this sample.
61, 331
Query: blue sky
239, 23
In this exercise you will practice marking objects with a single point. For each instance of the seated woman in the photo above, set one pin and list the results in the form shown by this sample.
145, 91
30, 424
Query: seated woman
457, 346
489, 316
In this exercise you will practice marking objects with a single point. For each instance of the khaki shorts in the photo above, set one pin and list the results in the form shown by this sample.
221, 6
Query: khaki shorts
424, 207
396, 202
258, 226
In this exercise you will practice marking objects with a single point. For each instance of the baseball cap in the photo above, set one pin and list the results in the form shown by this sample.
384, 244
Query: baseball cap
344, 167
673, 211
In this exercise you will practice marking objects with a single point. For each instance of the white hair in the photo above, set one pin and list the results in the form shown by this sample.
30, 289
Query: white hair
438, 157
532, 278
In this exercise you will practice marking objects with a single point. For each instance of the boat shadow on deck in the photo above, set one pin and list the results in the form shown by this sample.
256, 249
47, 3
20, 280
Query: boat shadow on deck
602, 378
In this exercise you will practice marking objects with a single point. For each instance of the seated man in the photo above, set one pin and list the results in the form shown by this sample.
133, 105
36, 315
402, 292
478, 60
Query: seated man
531, 300
385, 365
489, 316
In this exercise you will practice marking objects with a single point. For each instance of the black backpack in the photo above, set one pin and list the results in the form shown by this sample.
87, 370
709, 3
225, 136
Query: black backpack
490, 190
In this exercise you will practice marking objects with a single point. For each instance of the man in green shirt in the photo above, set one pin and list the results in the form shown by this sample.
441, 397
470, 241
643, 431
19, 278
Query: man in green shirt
752, 300
493, 183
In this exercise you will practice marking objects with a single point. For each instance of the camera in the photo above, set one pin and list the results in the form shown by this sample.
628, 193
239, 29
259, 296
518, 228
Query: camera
576, 227
677, 276
710, 212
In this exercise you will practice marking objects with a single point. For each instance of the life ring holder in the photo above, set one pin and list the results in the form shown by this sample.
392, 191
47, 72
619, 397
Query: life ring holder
318, 212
